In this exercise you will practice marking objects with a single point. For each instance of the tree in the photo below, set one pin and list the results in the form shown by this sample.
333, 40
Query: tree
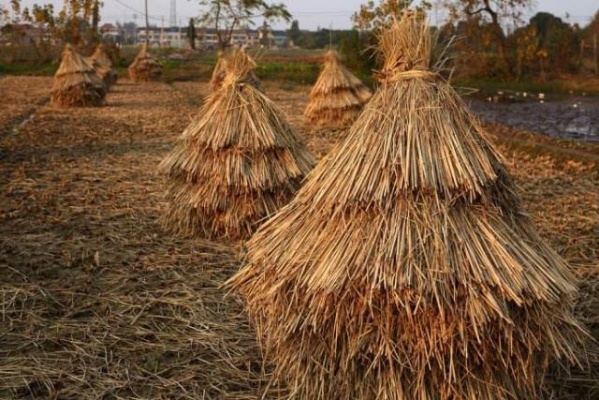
226, 15
375, 16
496, 11
294, 31
191, 34
526, 45
357, 49
77, 22
558, 41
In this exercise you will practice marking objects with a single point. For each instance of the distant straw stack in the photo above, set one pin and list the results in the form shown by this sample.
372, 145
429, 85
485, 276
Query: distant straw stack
103, 65
76, 83
404, 267
241, 61
236, 164
145, 68
337, 96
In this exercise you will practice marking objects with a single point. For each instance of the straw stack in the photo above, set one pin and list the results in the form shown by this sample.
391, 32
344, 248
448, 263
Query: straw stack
102, 63
219, 73
404, 267
337, 96
144, 68
76, 83
244, 62
236, 164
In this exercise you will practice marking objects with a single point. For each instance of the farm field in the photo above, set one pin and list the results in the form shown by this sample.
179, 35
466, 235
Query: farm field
97, 301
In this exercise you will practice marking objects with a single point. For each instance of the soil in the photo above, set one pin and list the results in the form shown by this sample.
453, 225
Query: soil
566, 117
98, 302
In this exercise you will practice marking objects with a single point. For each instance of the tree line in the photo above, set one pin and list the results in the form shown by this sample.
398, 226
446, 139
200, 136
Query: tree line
542, 47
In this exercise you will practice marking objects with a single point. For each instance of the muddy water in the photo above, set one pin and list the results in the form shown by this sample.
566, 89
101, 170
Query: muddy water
568, 117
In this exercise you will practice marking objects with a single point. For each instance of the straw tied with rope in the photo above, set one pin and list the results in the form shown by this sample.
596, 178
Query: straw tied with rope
237, 163
404, 267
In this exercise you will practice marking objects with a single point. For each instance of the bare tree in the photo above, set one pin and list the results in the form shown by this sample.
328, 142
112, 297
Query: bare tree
496, 12
226, 15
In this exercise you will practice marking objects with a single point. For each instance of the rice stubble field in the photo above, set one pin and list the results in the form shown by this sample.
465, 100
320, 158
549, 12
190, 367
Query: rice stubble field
98, 302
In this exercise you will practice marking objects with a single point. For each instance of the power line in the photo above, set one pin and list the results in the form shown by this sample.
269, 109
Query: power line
136, 10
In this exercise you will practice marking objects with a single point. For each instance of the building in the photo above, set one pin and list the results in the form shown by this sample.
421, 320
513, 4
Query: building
163, 37
22, 34
111, 33
207, 38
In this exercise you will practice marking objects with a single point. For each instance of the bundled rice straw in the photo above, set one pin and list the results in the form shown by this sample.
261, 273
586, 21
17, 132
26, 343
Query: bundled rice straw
337, 96
219, 73
404, 268
236, 164
76, 83
103, 65
144, 68
239, 59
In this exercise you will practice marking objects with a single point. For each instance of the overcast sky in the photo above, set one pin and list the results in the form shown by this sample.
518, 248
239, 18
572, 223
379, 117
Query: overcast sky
311, 14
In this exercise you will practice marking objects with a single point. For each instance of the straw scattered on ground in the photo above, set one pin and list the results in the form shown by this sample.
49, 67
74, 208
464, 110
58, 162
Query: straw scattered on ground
96, 300
22, 95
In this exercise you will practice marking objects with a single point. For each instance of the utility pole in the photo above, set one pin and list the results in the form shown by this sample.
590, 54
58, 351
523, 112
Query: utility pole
173, 14
180, 38
162, 32
595, 54
147, 24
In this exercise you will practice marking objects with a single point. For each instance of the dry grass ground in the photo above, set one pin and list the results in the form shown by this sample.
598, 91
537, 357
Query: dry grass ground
97, 302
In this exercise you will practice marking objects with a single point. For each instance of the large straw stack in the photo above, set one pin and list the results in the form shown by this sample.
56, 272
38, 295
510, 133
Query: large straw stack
144, 68
102, 63
337, 96
76, 83
236, 164
404, 268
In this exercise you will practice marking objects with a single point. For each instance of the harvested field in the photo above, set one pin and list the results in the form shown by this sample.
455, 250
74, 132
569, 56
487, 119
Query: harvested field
97, 302
19, 96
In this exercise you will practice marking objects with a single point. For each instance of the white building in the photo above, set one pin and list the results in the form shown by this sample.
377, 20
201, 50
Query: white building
163, 37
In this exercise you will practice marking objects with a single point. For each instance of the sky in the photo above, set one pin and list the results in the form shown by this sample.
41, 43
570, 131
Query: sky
311, 14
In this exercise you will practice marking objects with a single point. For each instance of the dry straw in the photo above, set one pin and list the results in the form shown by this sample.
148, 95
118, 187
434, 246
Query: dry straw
145, 68
404, 268
219, 73
76, 83
337, 96
236, 164
239, 60
102, 63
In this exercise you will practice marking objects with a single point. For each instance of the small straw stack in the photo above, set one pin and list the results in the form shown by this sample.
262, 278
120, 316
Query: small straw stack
102, 63
241, 61
337, 96
76, 83
236, 164
144, 68
404, 267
